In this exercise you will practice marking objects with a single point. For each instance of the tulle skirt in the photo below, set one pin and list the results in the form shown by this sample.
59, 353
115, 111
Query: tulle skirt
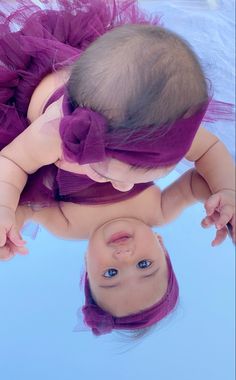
36, 40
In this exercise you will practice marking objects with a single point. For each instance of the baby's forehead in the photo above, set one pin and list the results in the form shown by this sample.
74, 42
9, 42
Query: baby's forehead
127, 299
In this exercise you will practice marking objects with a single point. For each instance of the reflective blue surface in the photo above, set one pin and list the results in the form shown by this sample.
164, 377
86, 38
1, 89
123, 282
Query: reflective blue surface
40, 293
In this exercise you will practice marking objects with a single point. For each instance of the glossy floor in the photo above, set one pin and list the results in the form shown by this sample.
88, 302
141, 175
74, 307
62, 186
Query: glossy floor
40, 293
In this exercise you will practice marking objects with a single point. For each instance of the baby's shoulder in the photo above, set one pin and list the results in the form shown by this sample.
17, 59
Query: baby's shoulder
149, 204
48, 85
202, 142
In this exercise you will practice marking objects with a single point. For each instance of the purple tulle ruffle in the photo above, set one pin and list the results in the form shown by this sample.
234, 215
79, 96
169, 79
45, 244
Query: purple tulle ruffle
36, 40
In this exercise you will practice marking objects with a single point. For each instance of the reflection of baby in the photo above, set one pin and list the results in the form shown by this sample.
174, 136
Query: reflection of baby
128, 268
130, 110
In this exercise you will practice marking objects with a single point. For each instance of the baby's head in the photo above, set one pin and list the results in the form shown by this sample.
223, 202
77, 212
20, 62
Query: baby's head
139, 75
146, 84
130, 283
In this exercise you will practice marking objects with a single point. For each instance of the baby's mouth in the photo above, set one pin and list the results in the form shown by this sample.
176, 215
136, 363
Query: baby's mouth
119, 237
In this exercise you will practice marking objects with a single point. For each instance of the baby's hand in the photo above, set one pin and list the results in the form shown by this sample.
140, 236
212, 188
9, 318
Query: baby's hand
220, 209
10, 250
221, 234
8, 228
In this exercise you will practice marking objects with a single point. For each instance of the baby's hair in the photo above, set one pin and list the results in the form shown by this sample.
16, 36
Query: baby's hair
139, 75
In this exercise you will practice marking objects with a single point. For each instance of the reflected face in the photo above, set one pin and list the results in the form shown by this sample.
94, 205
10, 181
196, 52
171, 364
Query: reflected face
121, 175
126, 267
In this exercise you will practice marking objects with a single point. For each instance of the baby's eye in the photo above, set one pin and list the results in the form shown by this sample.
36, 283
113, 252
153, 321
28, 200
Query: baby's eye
111, 272
144, 264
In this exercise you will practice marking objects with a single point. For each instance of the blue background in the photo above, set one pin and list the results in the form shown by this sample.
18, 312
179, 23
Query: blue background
40, 293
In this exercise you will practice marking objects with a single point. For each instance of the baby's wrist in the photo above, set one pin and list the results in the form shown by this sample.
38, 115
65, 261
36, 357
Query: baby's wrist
9, 195
7, 208
23, 214
199, 187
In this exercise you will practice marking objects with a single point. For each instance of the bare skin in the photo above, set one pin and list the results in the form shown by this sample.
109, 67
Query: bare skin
40, 144
125, 259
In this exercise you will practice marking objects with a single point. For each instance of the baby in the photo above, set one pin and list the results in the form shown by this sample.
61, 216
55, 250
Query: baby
126, 112
130, 283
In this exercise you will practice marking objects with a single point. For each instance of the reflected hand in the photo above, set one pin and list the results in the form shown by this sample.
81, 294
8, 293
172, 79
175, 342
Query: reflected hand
10, 250
220, 209
8, 228
221, 234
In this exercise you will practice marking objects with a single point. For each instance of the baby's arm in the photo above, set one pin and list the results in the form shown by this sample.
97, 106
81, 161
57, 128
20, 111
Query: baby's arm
186, 190
52, 218
37, 146
9, 250
214, 163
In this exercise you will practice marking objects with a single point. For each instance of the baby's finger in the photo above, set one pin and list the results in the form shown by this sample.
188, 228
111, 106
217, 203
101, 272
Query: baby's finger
231, 229
8, 257
233, 222
220, 237
21, 250
210, 220
15, 238
226, 214
207, 222
212, 203
16, 249
5, 253
3, 237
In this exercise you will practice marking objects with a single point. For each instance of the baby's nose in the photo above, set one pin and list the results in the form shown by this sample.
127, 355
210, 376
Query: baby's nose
123, 253
122, 186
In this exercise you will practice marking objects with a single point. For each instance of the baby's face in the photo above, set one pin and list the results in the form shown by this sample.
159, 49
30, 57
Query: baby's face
126, 267
121, 175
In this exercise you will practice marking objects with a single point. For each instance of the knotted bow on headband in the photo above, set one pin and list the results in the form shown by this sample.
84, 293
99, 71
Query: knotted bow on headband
86, 137
102, 322
83, 135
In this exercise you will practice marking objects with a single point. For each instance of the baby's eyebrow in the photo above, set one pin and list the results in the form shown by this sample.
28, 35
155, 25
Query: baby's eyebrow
115, 285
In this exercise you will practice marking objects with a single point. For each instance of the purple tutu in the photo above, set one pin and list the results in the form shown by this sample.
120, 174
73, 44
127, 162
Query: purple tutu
35, 42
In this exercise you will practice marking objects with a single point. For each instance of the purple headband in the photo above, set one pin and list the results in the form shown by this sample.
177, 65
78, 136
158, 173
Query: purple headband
101, 322
86, 139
